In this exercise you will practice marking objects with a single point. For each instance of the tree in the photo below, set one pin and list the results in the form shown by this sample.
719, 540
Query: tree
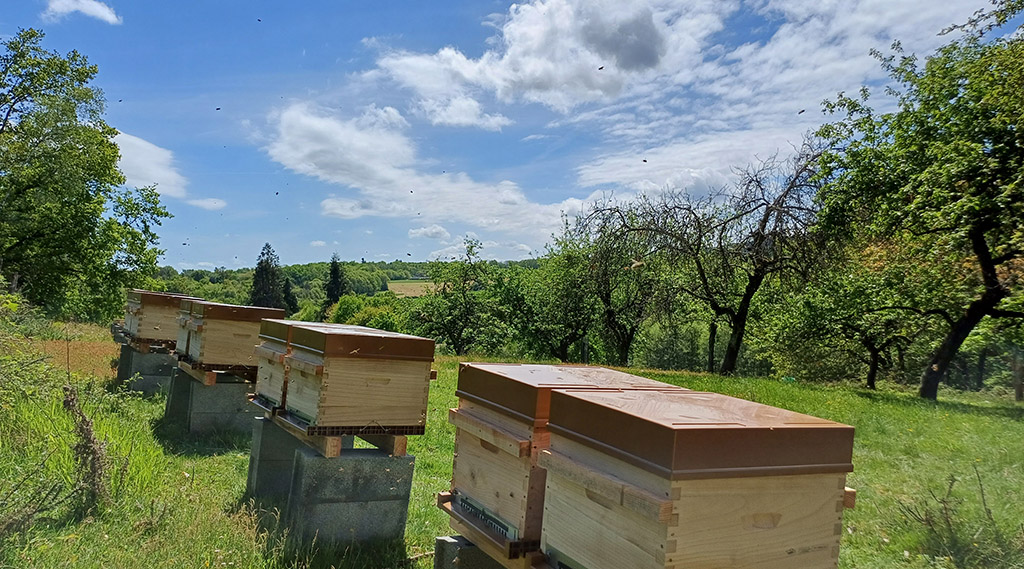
456, 310
946, 167
71, 238
267, 286
552, 306
337, 281
725, 245
291, 303
624, 275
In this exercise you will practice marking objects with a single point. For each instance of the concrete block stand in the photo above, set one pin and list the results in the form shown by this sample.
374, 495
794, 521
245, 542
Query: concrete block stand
149, 373
361, 495
223, 406
456, 552
270, 462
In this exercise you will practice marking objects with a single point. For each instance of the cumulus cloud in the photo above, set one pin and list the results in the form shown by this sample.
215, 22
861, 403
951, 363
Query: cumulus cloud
145, 164
434, 231
384, 177
57, 9
317, 243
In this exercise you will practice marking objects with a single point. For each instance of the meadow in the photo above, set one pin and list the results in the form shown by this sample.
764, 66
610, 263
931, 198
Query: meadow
939, 484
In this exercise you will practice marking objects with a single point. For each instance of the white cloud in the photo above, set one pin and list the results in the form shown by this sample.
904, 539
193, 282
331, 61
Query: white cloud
434, 231
461, 111
210, 204
144, 163
57, 9
384, 177
318, 243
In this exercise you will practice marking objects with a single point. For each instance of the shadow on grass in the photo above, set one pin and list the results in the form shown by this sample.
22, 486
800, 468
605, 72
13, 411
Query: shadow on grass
282, 548
175, 439
1015, 413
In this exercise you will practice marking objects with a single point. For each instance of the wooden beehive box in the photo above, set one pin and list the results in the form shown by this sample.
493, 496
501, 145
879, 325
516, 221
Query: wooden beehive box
222, 336
184, 317
272, 374
501, 424
356, 380
152, 316
644, 479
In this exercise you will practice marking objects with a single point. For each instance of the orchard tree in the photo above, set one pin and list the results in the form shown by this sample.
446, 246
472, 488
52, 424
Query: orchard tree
552, 306
456, 310
71, 237
267, 284
947, 167
724, 246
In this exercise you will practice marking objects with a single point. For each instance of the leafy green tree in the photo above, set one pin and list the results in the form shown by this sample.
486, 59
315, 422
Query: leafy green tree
267, 286
456, 311
337, 281
552, 306
71, 238
947, 167
290, 301
625, 275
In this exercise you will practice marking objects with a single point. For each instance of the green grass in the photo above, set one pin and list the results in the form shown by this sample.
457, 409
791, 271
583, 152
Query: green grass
180, 502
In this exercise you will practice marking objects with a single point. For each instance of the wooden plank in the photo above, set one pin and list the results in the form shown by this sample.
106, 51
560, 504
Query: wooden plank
597, 533
771, 522
269, 354
305, 366
849, 498
497, 481
618, 492
468, 421
394, 445
205, 377
329, 447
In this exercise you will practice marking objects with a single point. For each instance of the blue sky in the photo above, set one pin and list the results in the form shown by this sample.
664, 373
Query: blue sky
392, 130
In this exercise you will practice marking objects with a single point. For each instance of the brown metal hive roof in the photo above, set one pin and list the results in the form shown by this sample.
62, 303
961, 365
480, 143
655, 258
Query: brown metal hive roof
693, 434
524, 390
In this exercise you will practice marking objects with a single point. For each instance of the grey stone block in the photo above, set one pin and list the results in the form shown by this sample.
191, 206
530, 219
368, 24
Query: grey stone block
124, 364
457, 552
179, 396
271, 459
149, 373
222, 406
361, 495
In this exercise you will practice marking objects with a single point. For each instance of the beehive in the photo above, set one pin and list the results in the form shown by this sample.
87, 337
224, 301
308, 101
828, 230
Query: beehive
184, 317
351, 379
272, 374
224, 335
152, 315
501, 423
647, 479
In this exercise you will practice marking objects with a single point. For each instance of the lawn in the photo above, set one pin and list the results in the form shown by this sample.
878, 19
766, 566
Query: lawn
178, 501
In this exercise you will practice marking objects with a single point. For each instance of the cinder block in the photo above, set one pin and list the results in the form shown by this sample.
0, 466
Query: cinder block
149, 373
124, 364
361, 495
221, 406
457, 552
271, 459
179, 396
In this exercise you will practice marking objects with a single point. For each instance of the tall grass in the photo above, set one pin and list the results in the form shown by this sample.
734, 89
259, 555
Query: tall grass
178, 501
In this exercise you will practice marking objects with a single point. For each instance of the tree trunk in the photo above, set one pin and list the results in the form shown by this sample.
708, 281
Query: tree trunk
946, 352
739, 324
958, 332
712, 340
873, 367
